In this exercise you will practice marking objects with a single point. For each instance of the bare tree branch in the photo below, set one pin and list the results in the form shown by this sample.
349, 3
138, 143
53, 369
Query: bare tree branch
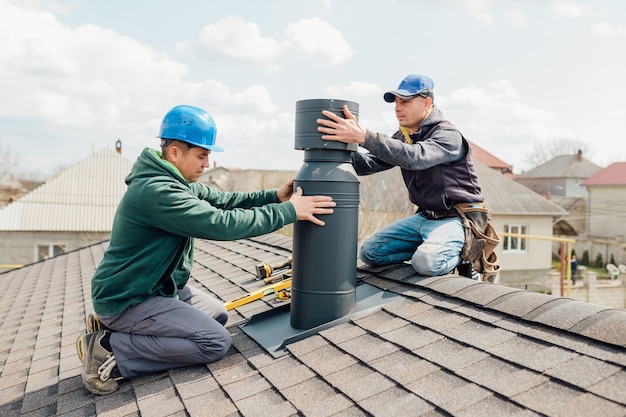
548, 150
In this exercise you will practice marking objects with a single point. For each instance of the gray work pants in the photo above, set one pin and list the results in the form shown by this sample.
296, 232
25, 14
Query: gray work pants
164, 333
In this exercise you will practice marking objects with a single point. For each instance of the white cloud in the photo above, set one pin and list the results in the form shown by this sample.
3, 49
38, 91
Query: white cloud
608, 29
238, 39
567, 9
318, 38
495, 117
75, 76
355, 90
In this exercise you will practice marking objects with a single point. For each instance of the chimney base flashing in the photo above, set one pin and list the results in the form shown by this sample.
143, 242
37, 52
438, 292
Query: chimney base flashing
272, 329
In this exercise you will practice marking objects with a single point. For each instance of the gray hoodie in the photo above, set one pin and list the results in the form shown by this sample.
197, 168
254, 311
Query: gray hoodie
437, 168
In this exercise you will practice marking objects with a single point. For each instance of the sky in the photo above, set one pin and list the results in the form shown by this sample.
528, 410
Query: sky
513, 75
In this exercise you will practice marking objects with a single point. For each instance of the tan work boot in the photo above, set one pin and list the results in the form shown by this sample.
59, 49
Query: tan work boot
98, 363
93, 325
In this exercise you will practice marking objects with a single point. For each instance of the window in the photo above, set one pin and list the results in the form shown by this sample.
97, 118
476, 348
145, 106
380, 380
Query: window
514, 243
48, 251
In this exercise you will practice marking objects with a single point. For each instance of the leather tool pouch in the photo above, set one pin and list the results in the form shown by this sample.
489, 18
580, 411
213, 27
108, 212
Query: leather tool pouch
481, 239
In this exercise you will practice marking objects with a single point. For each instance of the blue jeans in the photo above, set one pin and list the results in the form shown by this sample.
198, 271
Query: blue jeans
163, 333
433, 246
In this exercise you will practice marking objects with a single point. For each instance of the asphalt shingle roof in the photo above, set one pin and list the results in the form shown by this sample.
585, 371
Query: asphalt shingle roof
450, 346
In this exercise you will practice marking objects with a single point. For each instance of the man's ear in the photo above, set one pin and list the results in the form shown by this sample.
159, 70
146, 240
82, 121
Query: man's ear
173, 152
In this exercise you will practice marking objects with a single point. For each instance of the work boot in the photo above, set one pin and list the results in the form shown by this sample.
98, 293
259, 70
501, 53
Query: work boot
94, 324
98, 363
465, 269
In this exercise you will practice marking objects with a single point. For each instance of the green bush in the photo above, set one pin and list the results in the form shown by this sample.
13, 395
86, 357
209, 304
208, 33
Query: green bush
599, 261
585, 260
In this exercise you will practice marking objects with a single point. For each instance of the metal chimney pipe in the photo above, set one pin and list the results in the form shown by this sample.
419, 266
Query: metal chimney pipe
324, 258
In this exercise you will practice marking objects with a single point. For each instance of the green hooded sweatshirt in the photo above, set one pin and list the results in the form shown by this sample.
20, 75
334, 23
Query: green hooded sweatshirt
152, 241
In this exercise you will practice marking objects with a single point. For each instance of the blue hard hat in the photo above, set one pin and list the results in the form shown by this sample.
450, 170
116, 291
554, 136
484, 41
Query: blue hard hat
192, 125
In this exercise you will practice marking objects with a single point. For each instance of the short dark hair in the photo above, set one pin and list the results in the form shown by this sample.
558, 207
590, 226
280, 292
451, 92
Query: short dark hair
166, 143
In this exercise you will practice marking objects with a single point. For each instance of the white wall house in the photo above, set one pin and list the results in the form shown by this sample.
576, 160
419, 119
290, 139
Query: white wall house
73, 209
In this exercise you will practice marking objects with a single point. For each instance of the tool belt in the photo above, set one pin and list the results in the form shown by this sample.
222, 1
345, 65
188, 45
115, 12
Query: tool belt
481, 239
438, 215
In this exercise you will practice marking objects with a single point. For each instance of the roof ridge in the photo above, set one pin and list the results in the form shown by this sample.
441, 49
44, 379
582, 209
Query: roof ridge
575, 317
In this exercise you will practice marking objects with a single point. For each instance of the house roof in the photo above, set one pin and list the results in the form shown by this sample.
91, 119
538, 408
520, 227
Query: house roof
614, 174
505, 196
450, 346
492, 161
563, 166
81, 198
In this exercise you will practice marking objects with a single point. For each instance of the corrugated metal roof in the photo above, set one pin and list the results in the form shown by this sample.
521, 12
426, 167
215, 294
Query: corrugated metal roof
82, 198
614, 174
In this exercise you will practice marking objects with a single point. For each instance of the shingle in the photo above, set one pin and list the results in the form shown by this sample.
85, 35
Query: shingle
531, 354
564, 315
396, 402
265, 403
583, 371
193, 381
612, 387
495, 406
39, 399
404, 367
368, 347
412, 337
342, 332
408, 308
439, 320
484, 293
453, 286
310, 344
450, 354
558, 400
478, 334
502, 377
607, 326
380, 322
326, 360
442, 301
160, 402
246, 387
285, 372
521, 303
317, 397
447, 391
120, 403
358, 382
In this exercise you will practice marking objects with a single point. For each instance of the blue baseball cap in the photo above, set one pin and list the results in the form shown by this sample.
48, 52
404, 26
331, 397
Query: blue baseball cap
412, 85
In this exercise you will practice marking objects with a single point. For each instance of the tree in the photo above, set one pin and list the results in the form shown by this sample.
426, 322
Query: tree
8, 163
548, 150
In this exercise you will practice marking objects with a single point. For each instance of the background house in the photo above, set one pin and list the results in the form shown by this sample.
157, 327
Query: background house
606, 217
73, 209
561, 181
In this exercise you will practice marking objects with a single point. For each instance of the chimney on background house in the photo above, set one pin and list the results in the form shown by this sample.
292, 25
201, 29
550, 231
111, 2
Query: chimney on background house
118, 146
579, 156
